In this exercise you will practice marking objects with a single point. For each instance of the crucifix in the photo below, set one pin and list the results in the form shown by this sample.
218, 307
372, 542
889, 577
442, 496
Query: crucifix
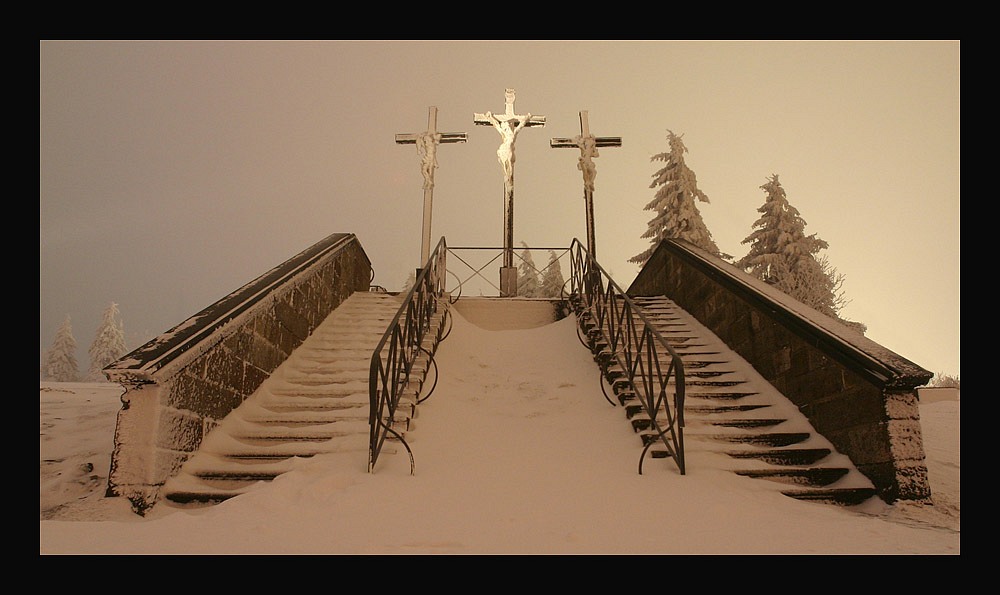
508, 124
427, 143
587, 144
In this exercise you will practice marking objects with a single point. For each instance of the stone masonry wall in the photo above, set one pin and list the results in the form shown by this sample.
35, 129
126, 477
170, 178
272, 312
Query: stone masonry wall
865, 403
153, 441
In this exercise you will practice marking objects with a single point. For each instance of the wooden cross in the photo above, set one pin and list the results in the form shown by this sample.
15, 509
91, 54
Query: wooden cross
508, 124
427, 147
587, 143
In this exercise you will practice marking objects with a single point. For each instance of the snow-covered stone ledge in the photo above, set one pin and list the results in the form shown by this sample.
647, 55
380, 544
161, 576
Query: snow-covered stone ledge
858, 394
185, 381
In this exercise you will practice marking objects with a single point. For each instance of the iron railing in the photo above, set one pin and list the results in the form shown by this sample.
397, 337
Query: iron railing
401, 345
634, 357
473, 271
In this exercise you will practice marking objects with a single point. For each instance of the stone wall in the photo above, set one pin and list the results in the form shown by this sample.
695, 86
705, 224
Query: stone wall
859, 395
184, 382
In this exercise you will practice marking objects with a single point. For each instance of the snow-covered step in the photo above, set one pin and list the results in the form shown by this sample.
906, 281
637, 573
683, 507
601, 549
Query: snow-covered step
317, 402
733, 411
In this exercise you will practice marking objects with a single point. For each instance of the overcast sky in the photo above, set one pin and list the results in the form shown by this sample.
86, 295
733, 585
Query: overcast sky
173, 172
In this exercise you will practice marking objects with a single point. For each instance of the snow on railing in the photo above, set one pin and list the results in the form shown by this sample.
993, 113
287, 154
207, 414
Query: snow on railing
629, 350
394, 356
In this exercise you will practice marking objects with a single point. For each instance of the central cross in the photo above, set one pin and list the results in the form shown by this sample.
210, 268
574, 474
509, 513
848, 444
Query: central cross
508, 124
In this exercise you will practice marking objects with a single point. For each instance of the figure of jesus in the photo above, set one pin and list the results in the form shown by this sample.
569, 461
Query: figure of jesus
427, 149
508, 130
588, 150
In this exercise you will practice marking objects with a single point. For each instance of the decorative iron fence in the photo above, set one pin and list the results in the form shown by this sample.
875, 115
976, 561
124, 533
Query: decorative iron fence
631, 352
481, 263
393, 359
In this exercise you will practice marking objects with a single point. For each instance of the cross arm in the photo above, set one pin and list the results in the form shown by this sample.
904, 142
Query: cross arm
482, 120
600, 141
446, 137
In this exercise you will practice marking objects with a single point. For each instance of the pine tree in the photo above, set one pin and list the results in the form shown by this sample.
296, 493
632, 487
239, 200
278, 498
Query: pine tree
782, 255
527, 275
676, 214
108, 344
552, 277
60, 360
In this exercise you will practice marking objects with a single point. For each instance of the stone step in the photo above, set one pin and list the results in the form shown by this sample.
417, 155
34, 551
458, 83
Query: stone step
324, 433
316, 403
330, 389
717, 409
760, 439
783, 456
807, 476
839, 496
720, 409
627, 398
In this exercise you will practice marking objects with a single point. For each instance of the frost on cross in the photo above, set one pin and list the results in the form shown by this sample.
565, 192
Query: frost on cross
508, 124
588, 150
508, 130
587, 143
427, 143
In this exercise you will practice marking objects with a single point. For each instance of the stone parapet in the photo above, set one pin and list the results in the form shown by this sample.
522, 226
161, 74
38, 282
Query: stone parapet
859, 395
181, 384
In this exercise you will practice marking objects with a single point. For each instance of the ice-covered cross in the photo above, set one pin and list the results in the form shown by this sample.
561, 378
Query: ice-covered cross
427, 143
508, 124
587, 143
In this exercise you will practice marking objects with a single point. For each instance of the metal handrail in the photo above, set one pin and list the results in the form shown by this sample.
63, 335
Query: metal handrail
621, 335
400, 346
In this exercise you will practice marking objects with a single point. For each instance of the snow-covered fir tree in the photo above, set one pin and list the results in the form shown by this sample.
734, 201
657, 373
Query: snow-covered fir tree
552, 277
782, 255
108, 344
60, 360
676, 213
527, 274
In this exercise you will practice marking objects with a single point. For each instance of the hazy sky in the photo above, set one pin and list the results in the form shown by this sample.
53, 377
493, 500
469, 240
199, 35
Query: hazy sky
174, 172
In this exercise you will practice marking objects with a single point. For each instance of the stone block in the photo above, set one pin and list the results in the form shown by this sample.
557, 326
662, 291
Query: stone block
185, 390
781, 359
263, 354
902, 406
846, 410
906, 440
913, 483
267, 326
168, 463
205, 398
179, 430
292, 320
806, 386
865, 444
883, 476
253, 378
225, 368
286, 342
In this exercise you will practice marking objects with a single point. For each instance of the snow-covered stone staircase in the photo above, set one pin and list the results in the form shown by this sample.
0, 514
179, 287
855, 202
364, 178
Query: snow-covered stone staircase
316, 402
732, 411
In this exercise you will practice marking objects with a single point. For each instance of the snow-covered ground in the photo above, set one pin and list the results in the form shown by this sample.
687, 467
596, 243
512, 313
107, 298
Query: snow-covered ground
517, 452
